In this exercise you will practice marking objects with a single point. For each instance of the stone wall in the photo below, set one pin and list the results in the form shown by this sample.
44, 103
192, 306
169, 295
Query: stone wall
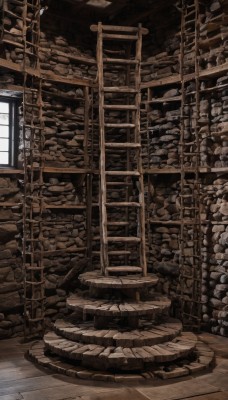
64, 194
161, 136
65, 229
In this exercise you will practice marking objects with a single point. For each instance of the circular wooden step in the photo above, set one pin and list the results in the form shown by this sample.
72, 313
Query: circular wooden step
96, 279
108, 308
203, 360
147, 335
101, 357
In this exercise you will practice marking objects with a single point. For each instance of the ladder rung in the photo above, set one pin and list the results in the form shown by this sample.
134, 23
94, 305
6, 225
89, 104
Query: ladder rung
34, 268
122, 145
113, 36
32, 105
120, 107
117, 28
34, 283
35, 319
120, 125
119, 252
120, 223
124, 173
119, 183
38, 299
190, 13
129, 239
33, 127
127, 268
119, 61
120, 89
123, 204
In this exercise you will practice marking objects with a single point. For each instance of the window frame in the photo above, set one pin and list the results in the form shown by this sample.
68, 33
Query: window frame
13, 130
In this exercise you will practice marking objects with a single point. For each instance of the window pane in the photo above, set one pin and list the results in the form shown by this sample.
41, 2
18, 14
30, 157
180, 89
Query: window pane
4, 107
4, 158
4, 145
4, 131
4, 119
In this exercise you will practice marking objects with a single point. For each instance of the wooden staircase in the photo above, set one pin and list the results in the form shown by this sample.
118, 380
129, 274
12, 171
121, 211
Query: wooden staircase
119, 324
126, 173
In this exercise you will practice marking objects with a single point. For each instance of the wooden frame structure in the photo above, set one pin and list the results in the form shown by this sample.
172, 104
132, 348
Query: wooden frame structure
129, 142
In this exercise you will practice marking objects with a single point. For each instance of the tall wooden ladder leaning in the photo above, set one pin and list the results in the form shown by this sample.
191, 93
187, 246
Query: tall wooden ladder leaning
33, 142
120, 151
190, 235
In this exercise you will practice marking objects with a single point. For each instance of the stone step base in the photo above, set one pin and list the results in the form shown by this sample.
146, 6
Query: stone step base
203, 360
148, 334
135, 358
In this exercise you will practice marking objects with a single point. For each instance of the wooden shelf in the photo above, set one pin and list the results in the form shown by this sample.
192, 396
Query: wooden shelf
63, 95
60, 251
202, 170
48, 75
73, 57
11, 171
163, 100
9, 204
178, 222
65, 206
148, 171
204, 74
53, 170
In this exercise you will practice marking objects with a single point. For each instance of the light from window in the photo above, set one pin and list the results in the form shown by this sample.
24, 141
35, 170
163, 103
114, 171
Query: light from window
7, 132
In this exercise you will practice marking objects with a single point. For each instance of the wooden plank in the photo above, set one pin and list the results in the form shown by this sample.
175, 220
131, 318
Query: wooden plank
211, 72
123, 204
113, 36
119, 125
29, 384
122, 173
102, 194
127, 107
212, 396
117, 28
122, 145
124, 268
119, 89
129, 239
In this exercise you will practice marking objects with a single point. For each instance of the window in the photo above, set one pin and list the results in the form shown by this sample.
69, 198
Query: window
8, 131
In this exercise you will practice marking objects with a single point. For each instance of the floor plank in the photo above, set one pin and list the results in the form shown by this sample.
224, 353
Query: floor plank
83, 394
22, 380
27, 384
214, 396
177, 391
17, 373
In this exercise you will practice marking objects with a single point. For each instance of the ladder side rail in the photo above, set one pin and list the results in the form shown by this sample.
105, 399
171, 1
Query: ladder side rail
198, 273
182, 175
143, 261
128, 71
102, 166
33, 143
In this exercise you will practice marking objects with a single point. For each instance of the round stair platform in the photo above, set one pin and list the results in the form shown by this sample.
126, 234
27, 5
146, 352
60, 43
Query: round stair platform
147, 335
134, 358
115, 308
96, 279
204, 357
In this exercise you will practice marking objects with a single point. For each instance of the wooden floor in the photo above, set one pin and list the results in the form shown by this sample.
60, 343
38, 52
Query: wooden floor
20, 379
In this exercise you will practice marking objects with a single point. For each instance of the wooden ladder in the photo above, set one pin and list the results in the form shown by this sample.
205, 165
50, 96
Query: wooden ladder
190, 257
119, 139
33, 205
